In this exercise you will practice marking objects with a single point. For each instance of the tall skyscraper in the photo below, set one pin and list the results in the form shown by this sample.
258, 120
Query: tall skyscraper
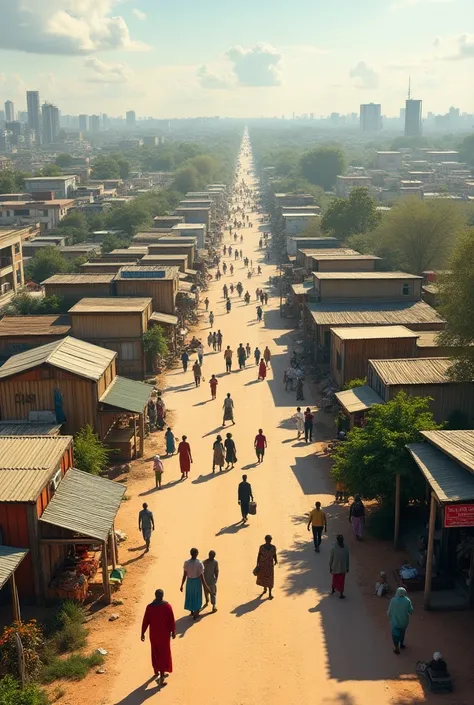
34, 119
371, 117
9, 111
94, 123
22, 116
413, 110
130, 118
83, 123
50, 115
105, 121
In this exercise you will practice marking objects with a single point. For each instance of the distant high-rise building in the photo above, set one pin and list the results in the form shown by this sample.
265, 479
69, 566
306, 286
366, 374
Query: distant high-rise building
83, 123
94, 123
130, 118
402, 114
50, 115
105, 121
2, 117
22, 116
412, 118
34, 119
371, 117
9, 111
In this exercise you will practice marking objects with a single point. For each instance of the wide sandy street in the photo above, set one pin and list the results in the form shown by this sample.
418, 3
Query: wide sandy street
303, 646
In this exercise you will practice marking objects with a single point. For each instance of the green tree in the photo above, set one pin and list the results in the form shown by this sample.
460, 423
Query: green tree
351, 216
112, 242
25, 304
320, 166
51, 170
64, 160
45, 263
7, 182
154, 344
186, 179
419, 235
90, 454
457, 304
466, 150
368, 461
130, 217
105, 168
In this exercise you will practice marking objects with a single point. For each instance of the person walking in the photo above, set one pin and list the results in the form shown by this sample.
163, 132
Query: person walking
211, 575
266, 298
260, 443
206, 303
230, 451
152, 415
193, 576
244, 497
200, 353
158, 469
257, 354
159, 619
209, 339
228, 359
318, 522
146, 524
308, 425
228, 407
185, 360
259, 314
265, 567
339, 566
219, 340
267, 356
248, 350
299, 420
211, 319
262, 369
185, 457
217, 454
213, 382
228, 306
214, 341
197, 374
357, 516
399, 611
170, 442
241, 356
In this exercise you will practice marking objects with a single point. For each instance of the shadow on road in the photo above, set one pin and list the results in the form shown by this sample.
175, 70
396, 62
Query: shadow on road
232, 528
312, 472
140, 694
247, 607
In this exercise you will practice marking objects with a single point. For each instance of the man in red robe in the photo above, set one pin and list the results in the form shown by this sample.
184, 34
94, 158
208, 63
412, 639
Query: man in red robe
160, 618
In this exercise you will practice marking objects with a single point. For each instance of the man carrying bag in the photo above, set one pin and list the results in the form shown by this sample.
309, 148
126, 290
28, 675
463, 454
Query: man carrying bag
245, 498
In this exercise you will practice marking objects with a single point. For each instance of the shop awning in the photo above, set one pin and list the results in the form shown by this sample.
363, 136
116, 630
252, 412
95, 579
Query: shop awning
164, 318
85, 504
10, 559
127, 395
303, 288
449, 481
358, 399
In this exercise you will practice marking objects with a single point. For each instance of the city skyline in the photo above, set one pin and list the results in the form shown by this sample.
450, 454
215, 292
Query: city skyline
248, 61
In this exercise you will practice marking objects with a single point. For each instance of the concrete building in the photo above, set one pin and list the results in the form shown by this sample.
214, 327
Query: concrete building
94, 123
295, 223
413, 110
34, 119
47, 213
345, 184
11, 259
50, 121
389, 161
83, 123
9, 111
371, 117
61, 186
130, 118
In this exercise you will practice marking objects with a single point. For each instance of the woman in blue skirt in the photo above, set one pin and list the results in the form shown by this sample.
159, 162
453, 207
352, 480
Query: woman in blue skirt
193, 576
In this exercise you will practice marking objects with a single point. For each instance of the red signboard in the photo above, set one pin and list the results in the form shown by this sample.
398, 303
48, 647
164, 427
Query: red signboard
458, 515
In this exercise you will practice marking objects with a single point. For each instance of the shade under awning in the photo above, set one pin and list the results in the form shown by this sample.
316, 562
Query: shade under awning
358, 399
168, 318
10, 559
127, 395
85, 504
449, 481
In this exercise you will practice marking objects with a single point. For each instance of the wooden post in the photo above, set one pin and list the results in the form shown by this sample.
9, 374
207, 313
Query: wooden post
142, 434
396, 528
135, 455
429, 553
15, 600
105, 574
113, 548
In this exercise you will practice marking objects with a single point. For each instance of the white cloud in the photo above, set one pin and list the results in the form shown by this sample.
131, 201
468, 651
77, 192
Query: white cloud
103, 72
457, 48
367, 77
212, 81
139, 14
63, 27
258, 66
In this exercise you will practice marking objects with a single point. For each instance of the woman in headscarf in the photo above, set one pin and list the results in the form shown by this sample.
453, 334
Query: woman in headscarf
399, 611
218, 454
339, 565
230, 451
357, 516
170, 442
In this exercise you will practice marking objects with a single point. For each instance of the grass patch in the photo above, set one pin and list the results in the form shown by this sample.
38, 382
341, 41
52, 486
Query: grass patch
73, 668
71, 611
72, 637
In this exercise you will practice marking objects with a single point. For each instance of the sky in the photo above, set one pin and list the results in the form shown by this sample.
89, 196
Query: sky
245, 58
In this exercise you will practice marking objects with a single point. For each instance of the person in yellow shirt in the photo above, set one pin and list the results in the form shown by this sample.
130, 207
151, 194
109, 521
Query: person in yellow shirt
317, 520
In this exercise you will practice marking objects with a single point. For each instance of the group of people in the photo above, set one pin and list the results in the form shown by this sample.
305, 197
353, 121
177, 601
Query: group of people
304, 423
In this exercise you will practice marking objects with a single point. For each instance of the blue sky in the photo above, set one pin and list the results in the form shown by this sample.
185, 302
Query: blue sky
241, 58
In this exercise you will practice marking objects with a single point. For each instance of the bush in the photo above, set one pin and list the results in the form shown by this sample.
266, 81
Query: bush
90, 454
71, 637
71, 611
32, 639
72, 668
357, 382
11, 693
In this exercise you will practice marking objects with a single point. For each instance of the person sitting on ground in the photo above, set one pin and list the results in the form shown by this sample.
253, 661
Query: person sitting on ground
381, 586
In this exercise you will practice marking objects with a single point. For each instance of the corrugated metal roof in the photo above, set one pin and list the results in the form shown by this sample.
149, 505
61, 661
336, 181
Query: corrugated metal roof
164, 318
170, 272
70, 354
108, 265
10, 559
79, 279
400, 313
156, 259
358, 399
127, 394
114, 304
350, 258
449, 481
302, 288
329, 251
365, 275
459, 445
24, 428
428, 339
35, 325
27, 464
85, 504
375, 332
413, 370
133, 249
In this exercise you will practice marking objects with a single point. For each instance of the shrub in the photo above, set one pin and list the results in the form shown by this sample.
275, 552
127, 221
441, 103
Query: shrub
71, 637
72, 668
32, 639
90, 454
71, 611
11, 693
357, 382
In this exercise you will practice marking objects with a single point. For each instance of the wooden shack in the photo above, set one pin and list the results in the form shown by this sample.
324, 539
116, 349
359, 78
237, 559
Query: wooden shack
163, 248
305, 255
423, 377
352, 348
429, 345
366, 286
344, 263
71, 288
430, 294
180, 261
78, 383
125, 254
96, 266
159, 283
31, 468
117, 323
19, 333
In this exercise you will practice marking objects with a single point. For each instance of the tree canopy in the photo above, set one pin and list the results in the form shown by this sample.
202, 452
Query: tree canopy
46, 262
110, 167
64, 160
51, 170
351, 216
320, 166
466, 150
368, 461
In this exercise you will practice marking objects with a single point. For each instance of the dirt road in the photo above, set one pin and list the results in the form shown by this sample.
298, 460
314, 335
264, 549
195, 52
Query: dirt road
304, 644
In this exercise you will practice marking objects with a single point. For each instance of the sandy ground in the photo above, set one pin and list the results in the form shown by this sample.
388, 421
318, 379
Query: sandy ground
304, 643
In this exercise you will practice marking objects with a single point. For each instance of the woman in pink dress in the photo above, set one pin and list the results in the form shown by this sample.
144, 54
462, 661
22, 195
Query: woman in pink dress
185, 458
